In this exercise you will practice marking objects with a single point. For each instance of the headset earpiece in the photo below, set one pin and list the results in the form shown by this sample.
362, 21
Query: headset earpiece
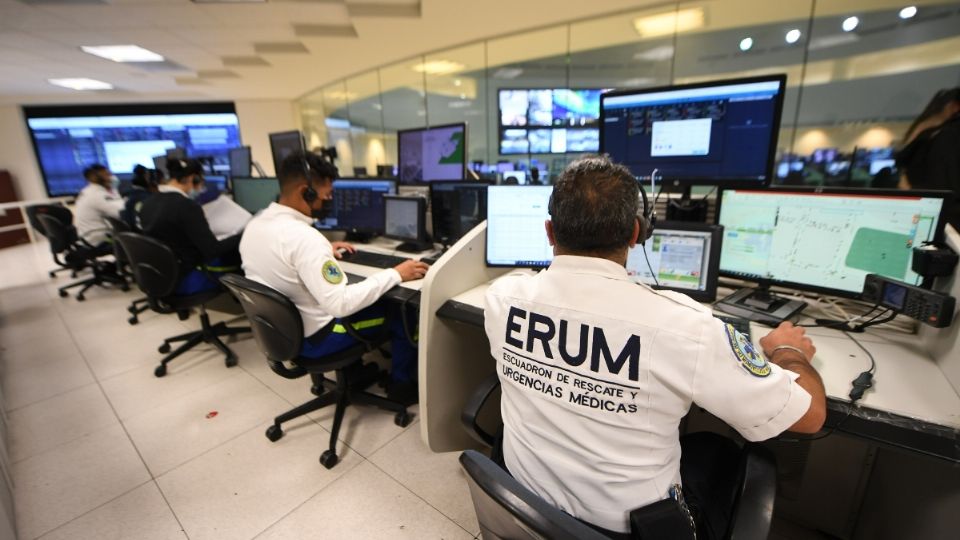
647, 217
309, 194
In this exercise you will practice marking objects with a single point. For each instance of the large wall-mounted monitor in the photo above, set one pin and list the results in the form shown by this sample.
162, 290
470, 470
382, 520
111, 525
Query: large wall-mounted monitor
548, 120
825, 240
434, 153
713, 133
67, 139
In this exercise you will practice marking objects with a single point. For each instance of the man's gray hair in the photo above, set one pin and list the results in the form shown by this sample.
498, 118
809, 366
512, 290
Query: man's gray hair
594, 206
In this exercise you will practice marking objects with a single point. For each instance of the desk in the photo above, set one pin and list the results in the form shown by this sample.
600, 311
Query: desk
407, 292
913, 404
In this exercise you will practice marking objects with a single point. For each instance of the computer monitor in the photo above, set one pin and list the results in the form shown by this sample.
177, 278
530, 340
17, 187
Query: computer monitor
456, 208
283, 144
405, 218
358, 205
218, 181
240, 161
825, 240
515, 226
519, 176
255, 194
683, 256
714, 133
435, 153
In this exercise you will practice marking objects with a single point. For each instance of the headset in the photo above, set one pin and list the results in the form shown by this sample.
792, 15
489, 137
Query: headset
648, 214
310, 194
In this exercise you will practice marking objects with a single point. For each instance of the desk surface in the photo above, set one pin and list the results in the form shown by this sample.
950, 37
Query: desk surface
907, 381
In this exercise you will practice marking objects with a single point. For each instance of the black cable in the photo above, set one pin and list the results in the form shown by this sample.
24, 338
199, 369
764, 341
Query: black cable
649, 266
873, 363
406, 324
826, 323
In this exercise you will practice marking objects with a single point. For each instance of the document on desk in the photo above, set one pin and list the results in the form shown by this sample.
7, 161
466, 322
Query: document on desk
226, 218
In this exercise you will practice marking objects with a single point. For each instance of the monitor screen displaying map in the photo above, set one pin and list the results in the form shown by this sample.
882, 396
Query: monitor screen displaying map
436, 153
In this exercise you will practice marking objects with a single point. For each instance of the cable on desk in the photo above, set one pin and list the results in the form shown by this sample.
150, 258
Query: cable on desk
649, 266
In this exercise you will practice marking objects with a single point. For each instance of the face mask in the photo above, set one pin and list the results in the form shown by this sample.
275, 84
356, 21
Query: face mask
113, 182
323, 212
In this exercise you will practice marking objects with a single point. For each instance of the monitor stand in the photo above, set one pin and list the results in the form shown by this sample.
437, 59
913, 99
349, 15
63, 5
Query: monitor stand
360, 237
414, 246
686, 209
760, 305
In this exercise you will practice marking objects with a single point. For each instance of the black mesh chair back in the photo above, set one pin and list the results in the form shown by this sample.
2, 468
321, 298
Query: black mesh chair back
117, 226
274, 319
155, 266
507, 510
62, 236
55, 210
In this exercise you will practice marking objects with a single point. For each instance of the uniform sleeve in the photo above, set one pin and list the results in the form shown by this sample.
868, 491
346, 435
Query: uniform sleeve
737, 384
109, 206
312, 258
196, 228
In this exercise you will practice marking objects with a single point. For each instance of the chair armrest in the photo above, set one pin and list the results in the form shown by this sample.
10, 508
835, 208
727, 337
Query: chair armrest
471, 410
287, 373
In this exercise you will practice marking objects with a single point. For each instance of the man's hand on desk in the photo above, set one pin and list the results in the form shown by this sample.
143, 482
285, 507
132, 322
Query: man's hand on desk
411, 270
785, 339
346, 246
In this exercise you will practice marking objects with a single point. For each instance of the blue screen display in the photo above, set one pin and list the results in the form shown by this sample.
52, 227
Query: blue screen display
706, 134
358, 205
65, 145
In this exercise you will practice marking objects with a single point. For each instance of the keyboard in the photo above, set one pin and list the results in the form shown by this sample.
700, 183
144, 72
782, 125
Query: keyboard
369, 258
740, 325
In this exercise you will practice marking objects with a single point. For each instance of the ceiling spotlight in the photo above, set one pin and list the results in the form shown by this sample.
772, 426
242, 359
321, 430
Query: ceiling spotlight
793, 36
908, 12
746, 43
850, 24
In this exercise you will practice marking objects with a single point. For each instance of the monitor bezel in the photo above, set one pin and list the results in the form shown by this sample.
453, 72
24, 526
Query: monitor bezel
709, 293
681, 181
463, 169
455, 184
486, 240
501, 127
938, 234
273, 150
421, 218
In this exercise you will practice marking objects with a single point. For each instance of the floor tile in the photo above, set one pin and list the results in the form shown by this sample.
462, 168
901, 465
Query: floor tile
72, 479
46, 424
365, 503
366, 429
171, 434
53, 346
242, 487
141, 514
436, 478
295, 391
41, 381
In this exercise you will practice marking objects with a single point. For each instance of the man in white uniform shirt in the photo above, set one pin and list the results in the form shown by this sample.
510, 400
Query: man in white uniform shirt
597, 371
281, 249
96, 201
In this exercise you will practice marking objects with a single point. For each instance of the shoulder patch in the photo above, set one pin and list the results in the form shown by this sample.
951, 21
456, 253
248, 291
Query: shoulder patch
749, 358
332, 272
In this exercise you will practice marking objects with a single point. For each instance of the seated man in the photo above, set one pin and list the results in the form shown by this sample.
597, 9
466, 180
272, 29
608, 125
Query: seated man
282, 249
174, 218
96, 201
597, 371
144, 184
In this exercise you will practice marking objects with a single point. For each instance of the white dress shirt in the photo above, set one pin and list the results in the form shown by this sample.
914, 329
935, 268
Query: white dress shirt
597, 371
281, 249
93, 204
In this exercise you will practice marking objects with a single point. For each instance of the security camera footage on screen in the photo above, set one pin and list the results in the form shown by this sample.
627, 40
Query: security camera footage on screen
66, 145
824, 240
679, 259
549, 121
432, 154
709, 134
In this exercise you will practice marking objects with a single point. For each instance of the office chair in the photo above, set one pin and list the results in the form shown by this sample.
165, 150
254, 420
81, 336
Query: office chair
156, 270
116, 227
79, 255
64, 215
506, 509
278, 329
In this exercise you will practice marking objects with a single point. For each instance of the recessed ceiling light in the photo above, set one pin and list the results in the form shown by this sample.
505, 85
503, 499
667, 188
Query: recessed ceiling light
665, 24
81, 84
908, 12
656, 54
123, 53
746, 44
850, 24
438, 67
793, 36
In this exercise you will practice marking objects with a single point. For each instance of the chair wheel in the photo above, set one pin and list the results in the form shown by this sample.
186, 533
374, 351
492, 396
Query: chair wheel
53, 275
164, 349
63, 294
328, 459
231, 360
125, 288
274, 433
133, 321
81, 298
132, 310
402, 419
160, 371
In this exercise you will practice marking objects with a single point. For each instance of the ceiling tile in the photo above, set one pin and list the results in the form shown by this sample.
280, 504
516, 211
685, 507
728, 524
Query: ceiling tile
280, 47
324, 30
244, 61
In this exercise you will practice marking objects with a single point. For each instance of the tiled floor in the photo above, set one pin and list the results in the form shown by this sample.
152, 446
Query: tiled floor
100, 448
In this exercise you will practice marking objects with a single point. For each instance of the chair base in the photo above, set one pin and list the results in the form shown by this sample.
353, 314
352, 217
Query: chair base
343, 394
137, 307
208, 333
100, 278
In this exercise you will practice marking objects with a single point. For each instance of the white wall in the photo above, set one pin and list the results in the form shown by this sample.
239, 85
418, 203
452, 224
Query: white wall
258, 118
16, 154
